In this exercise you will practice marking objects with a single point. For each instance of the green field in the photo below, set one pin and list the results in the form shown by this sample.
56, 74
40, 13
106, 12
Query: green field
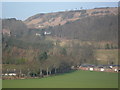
77, 79
107, 55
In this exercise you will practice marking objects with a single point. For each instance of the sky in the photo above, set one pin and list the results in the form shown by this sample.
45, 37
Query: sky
23, 10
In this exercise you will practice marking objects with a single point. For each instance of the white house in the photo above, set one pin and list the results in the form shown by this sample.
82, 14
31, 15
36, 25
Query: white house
102, 69
12, 74
116, 70
47, 33
91, 69
37, 34
111, 67
6, 74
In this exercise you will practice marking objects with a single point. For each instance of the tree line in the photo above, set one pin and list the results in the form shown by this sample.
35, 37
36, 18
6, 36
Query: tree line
51, 60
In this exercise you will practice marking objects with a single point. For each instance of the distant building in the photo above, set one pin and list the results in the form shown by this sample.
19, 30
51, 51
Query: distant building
47, 33
38, 34
12, 74
40, 26
9, 74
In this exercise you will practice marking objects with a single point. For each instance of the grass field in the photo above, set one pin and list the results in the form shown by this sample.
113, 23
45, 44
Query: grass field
105, 55
77, 79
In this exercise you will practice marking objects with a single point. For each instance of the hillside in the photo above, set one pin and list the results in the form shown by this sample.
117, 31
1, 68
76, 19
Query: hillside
43, 20
99, 24
94, 28
70, 38
13, 27
85, 25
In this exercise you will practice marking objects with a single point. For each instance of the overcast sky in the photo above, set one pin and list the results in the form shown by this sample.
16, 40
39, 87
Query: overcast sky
23, 10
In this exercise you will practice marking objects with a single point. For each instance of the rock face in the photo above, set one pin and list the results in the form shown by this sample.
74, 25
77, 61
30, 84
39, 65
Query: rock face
43, 20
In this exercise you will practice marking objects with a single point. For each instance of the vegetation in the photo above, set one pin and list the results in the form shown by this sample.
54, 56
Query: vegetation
49, 60
94, 28
17, 27
107, 56
71, 44
76, 79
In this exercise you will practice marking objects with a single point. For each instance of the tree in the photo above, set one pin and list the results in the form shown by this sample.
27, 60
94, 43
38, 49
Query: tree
107, 46
110, 60
63, 52
48, 65
43, 56
87, 55
41, 59
81, 54
56, 62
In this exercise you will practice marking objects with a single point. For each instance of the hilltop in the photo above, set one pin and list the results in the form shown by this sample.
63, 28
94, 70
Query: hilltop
44, 20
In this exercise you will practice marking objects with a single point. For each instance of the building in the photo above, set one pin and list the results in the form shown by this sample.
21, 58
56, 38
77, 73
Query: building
37, 34
47, 33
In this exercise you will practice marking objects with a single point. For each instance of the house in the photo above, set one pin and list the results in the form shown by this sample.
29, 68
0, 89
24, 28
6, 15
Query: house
47, 33
91, 69
40, 26
5, 74
9, 74
12, 74
102, 69
37, 34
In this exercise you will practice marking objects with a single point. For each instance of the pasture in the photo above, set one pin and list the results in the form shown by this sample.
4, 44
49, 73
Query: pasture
76, 79
107, 55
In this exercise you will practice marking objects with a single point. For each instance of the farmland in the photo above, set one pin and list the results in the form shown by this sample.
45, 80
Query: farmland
104, 56
76, 79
